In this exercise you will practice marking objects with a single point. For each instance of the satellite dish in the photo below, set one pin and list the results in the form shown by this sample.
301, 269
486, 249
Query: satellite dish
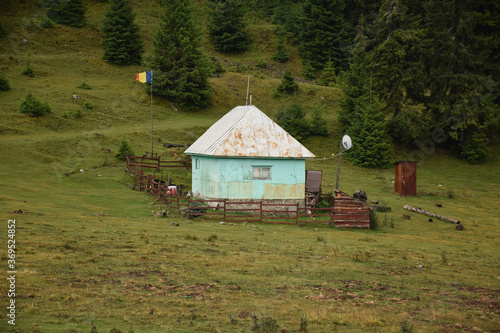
346, 142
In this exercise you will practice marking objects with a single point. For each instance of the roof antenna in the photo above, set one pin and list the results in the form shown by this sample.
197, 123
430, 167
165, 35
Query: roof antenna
250, 103
248, 87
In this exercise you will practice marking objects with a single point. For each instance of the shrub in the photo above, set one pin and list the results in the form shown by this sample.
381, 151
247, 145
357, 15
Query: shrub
292, 119
265, 324
262, 64
4, 84
474, 148
122, 151
88, 105
318, 123
84, 85
303, 325
69, 12
3, 31
217, 68
201, 208
281, 54
47, 23
77, 113
407, 326
28, 71
328, 76
33, 107
287, 85
308, 71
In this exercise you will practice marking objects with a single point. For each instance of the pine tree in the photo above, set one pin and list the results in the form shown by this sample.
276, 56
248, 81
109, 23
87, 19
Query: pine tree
362, 117
124, 150
371, 145
227, 27
292, 119
396, 57
32, 107
328, 77
324, 34
69, 12
462, 94
122, 43
318, 123
4, 83
281, 54
180, 70
287, 85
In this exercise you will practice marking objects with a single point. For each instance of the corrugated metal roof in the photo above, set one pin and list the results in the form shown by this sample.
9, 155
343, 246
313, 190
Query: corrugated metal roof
245, 131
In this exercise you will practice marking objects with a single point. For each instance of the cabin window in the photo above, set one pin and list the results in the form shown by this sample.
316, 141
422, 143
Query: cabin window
197, 163
261, 172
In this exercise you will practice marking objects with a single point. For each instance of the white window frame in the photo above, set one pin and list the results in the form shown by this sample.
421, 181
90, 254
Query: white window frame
261, 169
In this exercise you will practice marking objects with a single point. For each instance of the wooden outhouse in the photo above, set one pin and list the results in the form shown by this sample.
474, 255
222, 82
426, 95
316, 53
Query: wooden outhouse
245, 155
405, 179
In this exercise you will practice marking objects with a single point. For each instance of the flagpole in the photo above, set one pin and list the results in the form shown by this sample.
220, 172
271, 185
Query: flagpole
151, 113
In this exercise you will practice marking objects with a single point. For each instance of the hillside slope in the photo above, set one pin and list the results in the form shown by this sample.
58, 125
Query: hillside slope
90, 251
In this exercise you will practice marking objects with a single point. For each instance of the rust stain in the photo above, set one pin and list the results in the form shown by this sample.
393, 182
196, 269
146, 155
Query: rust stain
284, 191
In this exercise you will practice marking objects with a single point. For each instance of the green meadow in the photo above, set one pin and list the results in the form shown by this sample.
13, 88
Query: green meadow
92, 255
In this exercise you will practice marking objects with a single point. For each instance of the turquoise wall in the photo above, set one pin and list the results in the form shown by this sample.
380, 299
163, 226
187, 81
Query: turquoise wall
232, 178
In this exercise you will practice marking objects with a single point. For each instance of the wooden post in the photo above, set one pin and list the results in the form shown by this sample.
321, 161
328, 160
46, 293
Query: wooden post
297, 214
260, 204
225, 202
338, 166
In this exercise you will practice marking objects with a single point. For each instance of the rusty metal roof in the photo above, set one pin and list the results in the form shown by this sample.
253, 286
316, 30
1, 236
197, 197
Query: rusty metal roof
245, 131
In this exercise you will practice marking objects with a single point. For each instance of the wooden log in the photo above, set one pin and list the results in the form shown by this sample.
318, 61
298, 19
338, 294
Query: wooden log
421, 211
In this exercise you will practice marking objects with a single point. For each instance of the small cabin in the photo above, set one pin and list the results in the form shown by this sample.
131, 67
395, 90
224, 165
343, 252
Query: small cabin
245, 155
405, 179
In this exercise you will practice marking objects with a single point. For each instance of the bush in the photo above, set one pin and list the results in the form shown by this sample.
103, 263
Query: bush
201, 208
32, 107
88, 105
308, 71
47, 23
318, 123
265, 324
281, 54
217, 68
122, 151
474, 148
77, 113
84, 85
287, 85
4, 84
69, 12
262, 64
28, 71
3, 31
292, 119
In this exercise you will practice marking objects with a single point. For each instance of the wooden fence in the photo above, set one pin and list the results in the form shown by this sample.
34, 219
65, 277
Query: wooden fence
230, 210
154, 162
346, 211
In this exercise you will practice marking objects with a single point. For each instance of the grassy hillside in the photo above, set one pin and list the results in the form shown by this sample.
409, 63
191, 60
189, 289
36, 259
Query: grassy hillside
89, 250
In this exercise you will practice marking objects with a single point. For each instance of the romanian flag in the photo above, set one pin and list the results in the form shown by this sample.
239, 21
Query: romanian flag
144, 77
